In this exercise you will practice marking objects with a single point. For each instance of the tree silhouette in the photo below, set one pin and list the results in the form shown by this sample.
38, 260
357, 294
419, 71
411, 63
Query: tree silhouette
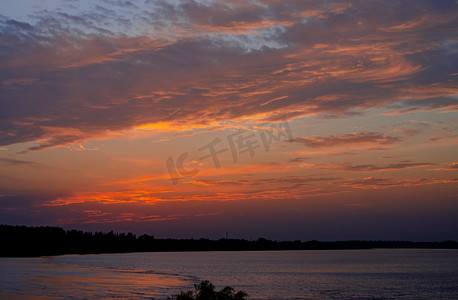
206, 291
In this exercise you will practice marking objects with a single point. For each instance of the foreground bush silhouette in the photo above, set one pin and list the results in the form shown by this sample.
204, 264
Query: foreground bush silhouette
206, 291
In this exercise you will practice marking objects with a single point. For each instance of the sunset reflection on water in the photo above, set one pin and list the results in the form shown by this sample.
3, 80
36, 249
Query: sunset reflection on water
45, 279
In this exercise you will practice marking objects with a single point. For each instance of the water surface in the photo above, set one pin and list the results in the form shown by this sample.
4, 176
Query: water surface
327, 274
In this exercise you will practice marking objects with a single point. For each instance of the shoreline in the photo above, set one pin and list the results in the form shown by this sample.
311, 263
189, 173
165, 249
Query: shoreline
222, 250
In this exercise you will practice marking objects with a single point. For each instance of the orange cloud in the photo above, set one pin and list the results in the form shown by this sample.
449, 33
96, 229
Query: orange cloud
368, 138
383, 183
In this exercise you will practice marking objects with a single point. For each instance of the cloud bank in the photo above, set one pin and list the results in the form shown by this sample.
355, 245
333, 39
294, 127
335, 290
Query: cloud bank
72, 75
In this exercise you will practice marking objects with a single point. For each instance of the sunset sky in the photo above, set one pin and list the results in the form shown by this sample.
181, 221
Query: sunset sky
327, 120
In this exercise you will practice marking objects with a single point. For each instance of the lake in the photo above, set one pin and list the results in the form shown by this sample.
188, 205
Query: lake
316, 274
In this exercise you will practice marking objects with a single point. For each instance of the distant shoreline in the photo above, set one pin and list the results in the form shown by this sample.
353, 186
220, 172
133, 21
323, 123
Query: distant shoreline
22, 241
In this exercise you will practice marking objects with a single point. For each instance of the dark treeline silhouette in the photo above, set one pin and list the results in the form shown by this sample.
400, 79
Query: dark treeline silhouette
20, 241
